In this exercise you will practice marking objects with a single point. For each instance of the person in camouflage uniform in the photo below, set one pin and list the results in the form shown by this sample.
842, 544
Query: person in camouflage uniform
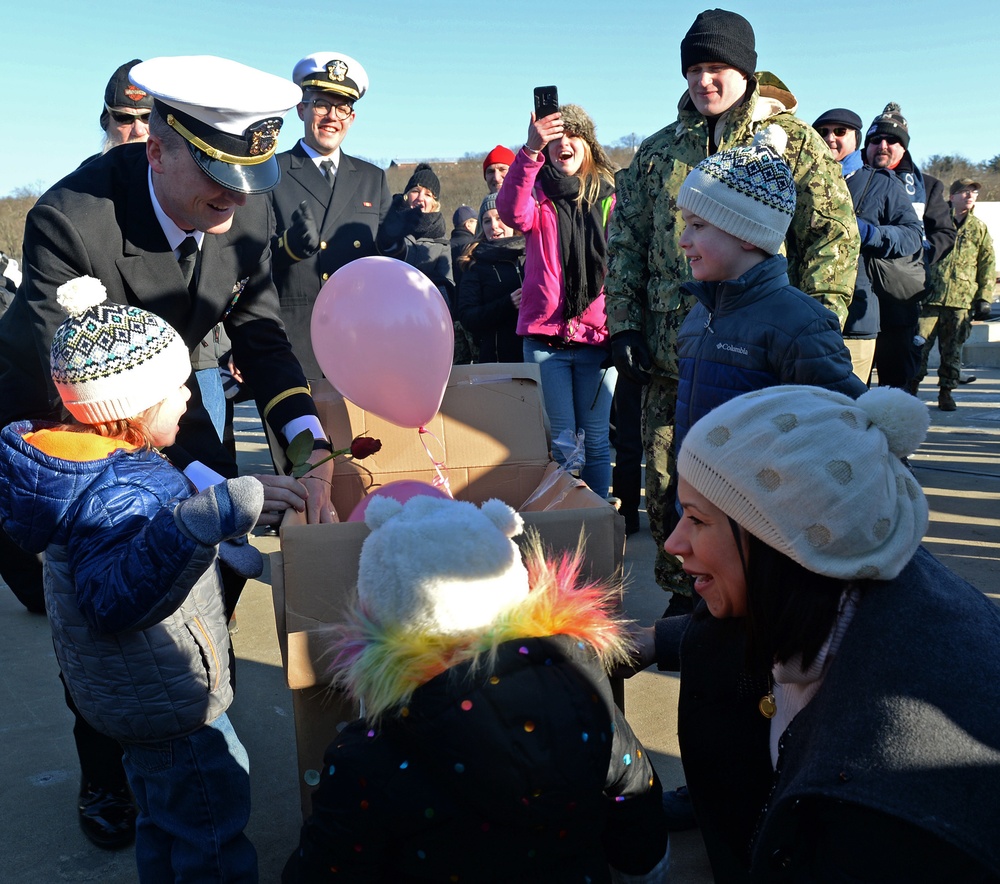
725, 105
961, 289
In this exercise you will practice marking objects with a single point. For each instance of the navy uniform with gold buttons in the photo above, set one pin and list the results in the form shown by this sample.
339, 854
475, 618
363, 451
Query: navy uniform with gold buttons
323, 220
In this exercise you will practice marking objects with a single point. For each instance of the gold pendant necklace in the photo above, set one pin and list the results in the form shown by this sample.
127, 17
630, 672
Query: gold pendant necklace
767, 706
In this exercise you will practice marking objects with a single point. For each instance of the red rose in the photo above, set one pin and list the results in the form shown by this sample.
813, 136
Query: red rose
362, 446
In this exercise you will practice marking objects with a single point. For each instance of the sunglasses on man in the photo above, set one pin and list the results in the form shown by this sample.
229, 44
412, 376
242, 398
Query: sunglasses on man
839, 131
128, 119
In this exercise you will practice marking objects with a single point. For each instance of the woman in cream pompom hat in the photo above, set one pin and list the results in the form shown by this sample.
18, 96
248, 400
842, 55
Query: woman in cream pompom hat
874, 669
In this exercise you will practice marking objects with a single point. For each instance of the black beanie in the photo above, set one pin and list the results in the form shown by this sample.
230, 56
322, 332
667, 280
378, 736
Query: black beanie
889, 123
722, 36
423, 176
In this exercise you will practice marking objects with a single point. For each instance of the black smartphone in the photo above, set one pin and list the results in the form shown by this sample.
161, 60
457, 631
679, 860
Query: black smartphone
546, 101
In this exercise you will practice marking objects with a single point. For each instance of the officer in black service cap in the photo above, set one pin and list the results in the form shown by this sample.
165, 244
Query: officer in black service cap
126, 218
329, 205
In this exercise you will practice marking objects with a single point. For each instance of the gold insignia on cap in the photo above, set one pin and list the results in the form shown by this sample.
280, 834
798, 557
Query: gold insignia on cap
336, 70
263, 136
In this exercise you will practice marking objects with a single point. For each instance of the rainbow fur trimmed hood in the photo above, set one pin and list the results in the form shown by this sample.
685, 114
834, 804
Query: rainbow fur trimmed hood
384, 663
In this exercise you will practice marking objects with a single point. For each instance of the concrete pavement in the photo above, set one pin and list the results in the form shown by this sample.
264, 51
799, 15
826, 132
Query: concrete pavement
958, 466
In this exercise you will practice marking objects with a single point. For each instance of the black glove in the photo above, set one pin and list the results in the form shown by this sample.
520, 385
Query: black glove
981, 309
221, 512
394, 228
631, 356
301, 238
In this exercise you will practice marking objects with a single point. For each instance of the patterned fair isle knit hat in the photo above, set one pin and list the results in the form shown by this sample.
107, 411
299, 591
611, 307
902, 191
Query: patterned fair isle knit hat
748, 192
111, 361
816, 475
440, 566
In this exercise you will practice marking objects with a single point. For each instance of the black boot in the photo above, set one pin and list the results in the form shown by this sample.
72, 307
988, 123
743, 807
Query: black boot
107, 816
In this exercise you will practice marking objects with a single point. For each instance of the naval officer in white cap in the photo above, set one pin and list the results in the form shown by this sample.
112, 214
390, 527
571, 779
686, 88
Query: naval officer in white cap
137, 218
328, 205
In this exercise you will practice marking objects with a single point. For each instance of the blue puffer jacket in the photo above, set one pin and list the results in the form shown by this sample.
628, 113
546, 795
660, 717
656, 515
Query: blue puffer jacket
135, 605
754, 332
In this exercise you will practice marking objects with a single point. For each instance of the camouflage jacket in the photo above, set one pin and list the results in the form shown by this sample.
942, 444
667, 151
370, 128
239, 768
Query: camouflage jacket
968, 272
646, 266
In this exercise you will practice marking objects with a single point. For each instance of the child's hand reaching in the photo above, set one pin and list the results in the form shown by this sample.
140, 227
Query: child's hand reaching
221, 512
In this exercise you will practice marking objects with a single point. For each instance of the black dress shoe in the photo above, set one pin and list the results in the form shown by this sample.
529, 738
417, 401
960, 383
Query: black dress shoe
107, 816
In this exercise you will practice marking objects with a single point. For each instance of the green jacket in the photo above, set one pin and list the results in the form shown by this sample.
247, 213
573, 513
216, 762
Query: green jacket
646, 266
968, 272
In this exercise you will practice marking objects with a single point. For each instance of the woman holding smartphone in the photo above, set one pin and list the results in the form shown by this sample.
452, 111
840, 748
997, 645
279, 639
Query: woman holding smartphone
560, 193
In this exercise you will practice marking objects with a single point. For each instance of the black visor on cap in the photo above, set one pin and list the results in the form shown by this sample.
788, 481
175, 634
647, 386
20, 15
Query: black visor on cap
259, 178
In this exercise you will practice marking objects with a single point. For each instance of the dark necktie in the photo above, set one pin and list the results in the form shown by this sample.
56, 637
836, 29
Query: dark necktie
327, 167
187, 259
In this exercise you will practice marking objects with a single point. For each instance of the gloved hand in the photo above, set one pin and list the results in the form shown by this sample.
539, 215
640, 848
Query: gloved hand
301, 237
866, 230
981, 309
398, 223
631, 356
221, 512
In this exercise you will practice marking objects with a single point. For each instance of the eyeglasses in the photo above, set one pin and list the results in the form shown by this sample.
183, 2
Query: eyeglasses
321, 107
888, 139
128, 119
967, 191
839, 131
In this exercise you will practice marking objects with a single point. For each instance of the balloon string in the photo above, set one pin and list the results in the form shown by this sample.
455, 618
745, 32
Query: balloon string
441, 479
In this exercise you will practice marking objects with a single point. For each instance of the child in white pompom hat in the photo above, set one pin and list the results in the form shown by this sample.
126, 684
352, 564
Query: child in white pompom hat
491, 748
132, 584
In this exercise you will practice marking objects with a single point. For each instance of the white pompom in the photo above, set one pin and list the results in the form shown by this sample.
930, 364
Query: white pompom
78, 295
901, 417
501, 515
380, 509
773, 137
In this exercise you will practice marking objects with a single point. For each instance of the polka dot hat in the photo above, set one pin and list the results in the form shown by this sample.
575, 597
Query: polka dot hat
816, 475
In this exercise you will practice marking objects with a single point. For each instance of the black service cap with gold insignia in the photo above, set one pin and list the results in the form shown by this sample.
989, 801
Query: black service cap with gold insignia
332, 72
228, 113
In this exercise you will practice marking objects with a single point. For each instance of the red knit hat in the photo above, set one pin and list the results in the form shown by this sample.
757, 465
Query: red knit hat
499, 154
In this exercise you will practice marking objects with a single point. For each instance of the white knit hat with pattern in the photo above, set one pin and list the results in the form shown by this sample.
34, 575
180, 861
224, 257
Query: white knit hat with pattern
438, 565
816, 475
748, 192
112, 361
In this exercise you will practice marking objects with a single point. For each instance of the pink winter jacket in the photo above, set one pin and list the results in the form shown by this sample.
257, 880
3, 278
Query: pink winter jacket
526, 208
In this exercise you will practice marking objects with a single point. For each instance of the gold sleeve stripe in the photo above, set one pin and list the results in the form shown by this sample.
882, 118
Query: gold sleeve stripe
281, 397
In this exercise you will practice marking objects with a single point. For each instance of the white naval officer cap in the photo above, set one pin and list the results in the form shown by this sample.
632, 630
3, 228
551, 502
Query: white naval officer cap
228, 113
332, 72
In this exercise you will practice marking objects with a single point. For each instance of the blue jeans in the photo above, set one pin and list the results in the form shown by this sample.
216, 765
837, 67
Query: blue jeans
578, 394
193, 795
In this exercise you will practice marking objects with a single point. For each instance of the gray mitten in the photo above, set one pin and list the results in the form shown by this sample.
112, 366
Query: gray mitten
227, 510
242, 557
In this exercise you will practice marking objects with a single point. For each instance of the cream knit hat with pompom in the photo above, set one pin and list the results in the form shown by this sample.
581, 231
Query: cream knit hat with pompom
112, 361
748, 192
816, 475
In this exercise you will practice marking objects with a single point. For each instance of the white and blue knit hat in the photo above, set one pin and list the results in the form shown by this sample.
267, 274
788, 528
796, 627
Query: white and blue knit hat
112, 361
748, 192
816, 475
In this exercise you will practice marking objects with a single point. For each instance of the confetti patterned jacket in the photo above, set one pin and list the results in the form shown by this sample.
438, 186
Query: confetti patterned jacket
134, 604
646, 266
514, 765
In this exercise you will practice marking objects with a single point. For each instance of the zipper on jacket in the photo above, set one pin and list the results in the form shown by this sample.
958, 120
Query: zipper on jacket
211, 647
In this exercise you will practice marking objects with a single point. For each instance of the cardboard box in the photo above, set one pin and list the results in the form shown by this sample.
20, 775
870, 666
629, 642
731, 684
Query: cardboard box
494, 434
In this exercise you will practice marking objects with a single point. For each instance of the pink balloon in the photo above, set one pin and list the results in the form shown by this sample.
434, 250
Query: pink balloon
401, 490
382, 334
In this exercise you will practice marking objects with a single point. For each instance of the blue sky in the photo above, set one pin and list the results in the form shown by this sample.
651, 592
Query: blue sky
450, 78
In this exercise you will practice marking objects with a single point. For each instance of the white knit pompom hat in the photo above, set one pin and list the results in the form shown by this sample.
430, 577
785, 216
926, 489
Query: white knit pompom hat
112, 361
816, 475
440, 566
748, 192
